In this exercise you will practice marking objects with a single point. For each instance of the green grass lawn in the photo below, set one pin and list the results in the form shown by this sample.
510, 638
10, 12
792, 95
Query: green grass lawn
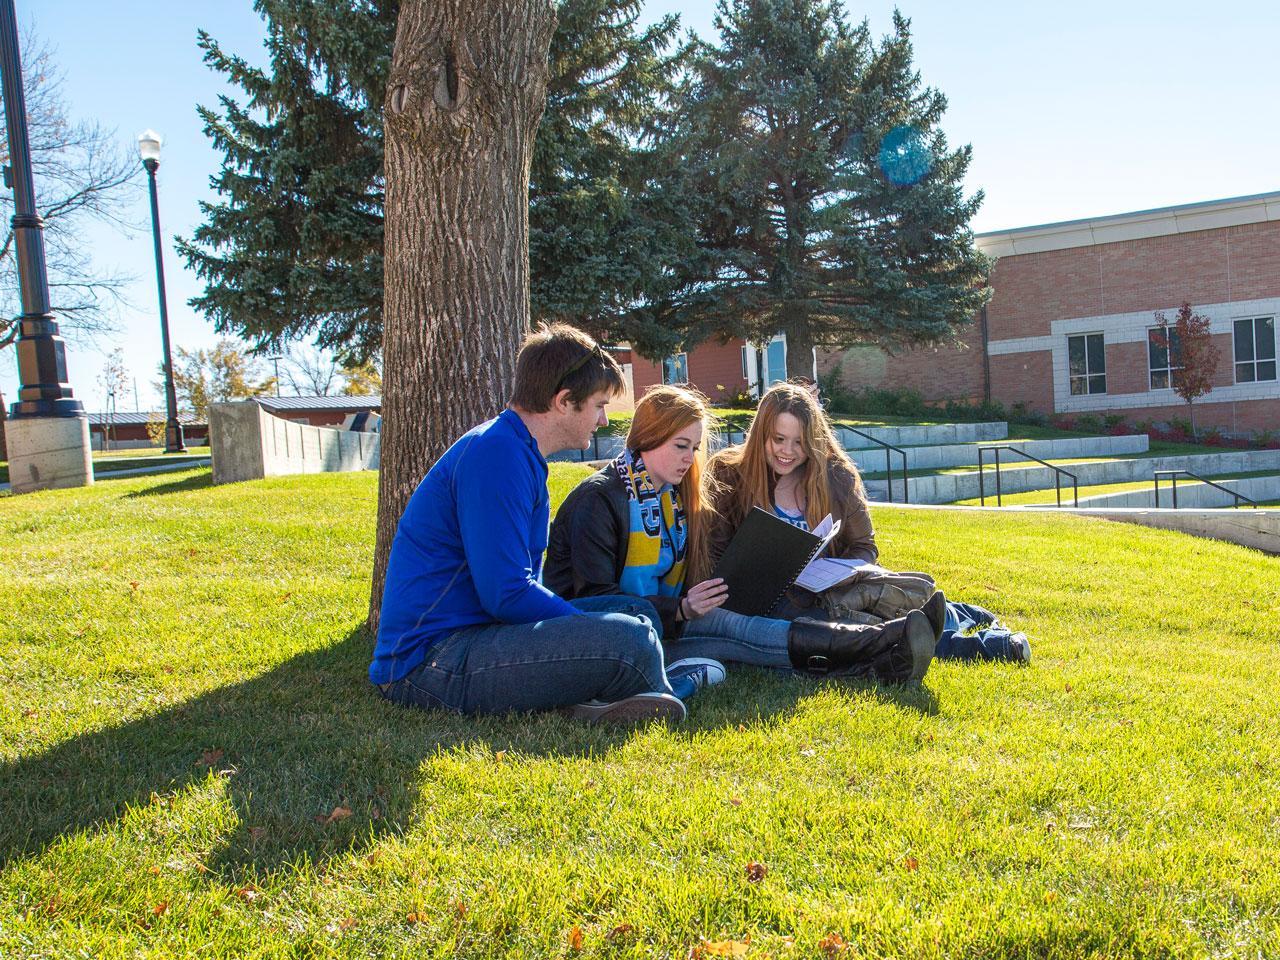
110, 460
193, 763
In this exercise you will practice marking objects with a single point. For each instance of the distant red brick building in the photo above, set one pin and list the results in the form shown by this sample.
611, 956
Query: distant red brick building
1073, 304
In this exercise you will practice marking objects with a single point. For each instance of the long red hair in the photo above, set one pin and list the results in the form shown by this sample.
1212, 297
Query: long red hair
662, 413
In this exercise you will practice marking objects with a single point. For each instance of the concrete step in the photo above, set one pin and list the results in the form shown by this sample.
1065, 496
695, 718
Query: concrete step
947, 488
966, 454
1191, 494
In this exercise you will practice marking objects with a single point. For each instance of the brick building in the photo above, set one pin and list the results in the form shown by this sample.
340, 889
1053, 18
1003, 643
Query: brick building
1073, 303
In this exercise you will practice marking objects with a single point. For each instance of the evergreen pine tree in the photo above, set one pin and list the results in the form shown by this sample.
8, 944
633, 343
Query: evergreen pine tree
827, 203
295, 248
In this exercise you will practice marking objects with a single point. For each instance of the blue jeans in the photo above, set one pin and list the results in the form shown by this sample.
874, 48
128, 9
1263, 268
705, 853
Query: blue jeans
973, 633
732, 638
611, 654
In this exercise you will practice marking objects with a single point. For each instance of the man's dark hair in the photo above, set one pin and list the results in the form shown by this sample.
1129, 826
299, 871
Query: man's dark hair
560, 357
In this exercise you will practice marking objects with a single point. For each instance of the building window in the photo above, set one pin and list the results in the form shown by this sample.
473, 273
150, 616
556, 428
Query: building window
675, 369
1164, 357
1255, 349
1087, 364
746, 374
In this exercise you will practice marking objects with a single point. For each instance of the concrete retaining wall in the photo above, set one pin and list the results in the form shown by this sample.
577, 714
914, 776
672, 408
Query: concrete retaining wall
917, 436
1259, 529
964, 486
966, 454
248, 443
1190, 494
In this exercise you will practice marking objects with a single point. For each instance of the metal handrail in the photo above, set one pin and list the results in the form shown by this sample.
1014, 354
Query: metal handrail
888, 462
1057, 475
1173, 482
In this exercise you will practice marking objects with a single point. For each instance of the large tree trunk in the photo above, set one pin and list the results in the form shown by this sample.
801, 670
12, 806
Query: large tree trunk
799, 351
465, 94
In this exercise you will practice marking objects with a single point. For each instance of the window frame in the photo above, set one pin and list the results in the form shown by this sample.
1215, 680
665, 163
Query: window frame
1172, 351
1089, 376
1253, 361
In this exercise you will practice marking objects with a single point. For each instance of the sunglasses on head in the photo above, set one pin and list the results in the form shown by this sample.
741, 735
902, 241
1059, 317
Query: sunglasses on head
581, 362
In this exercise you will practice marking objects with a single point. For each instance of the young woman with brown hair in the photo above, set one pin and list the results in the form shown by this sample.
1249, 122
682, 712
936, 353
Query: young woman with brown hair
792, 465
641, 526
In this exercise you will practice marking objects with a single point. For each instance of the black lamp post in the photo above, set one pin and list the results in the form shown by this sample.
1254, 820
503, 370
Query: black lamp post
149, 147
42, 362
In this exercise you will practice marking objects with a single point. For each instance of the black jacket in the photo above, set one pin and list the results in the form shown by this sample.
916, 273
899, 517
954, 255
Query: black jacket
587, 551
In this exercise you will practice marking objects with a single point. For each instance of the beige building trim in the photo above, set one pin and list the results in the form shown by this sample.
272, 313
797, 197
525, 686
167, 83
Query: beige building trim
1165, 221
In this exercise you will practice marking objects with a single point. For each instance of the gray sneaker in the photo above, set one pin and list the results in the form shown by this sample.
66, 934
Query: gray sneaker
1020, 648
634, 709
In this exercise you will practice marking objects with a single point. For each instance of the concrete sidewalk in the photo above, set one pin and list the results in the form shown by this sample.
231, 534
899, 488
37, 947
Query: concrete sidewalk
158, 468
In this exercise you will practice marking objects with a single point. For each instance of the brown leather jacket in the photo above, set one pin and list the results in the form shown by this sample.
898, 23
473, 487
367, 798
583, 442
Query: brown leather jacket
855, 541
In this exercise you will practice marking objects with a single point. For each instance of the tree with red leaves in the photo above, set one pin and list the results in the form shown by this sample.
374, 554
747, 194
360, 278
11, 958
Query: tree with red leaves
1192, 355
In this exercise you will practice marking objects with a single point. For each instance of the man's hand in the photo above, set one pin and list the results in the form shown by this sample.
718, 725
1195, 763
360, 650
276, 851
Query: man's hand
704, 598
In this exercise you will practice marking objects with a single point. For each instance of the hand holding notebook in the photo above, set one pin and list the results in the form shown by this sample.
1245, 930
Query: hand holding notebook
765, 557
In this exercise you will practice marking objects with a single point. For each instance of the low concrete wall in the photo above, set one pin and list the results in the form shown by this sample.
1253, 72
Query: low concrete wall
1259, 529
964, 486
248, 443
918, 436
1190, 494
966, 454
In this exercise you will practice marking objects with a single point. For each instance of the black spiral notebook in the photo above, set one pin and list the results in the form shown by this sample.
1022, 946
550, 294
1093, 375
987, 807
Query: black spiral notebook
764, 558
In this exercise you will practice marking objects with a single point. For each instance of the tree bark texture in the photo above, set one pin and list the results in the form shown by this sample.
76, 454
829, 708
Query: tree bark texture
465, 94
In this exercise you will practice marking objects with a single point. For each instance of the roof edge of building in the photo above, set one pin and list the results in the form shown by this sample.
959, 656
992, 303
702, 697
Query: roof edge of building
1137, 225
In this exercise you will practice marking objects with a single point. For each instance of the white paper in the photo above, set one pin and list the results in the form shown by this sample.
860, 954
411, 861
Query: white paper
823, 573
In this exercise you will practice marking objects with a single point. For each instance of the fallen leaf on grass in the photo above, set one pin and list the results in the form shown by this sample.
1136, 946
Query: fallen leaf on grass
153, 870
460, 909
257, 833
575, 939
620, 931
167, 668
725, 948
987, 586
499, 756
832, 944
200, 868
413, 916
161, 908
742, 728
734, 801
756, 872
339, 813
342, 926
209, 757
31, 713
1068, 688
249, 894
373, 857
911, 864
134, 586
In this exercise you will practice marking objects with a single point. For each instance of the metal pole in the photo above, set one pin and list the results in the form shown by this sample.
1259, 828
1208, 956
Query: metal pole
42, 363
173, 440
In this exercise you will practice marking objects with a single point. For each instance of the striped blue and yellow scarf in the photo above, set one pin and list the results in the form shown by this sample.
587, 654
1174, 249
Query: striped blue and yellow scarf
658, 539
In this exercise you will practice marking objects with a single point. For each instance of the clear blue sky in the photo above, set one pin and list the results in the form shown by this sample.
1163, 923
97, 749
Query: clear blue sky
1073, 111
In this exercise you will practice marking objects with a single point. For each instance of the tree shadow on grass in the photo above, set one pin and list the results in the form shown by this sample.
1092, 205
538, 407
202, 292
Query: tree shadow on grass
289, 747
200, 481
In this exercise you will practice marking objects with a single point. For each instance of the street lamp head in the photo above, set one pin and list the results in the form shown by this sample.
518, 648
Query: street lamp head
149, 145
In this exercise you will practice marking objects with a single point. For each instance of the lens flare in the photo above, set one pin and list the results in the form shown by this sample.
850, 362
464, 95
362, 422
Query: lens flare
904, 156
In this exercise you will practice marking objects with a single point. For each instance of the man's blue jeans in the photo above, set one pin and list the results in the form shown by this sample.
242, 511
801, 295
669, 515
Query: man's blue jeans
610, 654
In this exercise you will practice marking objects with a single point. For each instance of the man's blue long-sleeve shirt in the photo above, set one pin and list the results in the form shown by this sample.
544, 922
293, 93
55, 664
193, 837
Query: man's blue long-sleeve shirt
469, 547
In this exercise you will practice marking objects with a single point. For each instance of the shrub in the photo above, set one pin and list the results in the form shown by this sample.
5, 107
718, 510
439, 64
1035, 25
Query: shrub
1213, 436
1121, 429
1265, 440
1019, 413
1060, 421
1089, 423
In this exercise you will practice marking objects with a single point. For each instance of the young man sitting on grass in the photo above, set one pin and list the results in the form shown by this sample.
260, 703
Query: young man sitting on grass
466, 623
